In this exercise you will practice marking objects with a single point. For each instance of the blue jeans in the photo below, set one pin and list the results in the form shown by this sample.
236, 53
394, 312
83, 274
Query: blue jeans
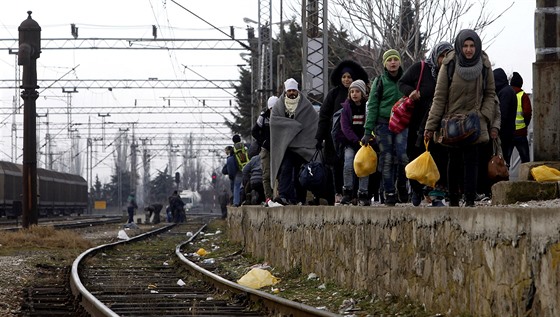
237, 189
349, 174
392, 153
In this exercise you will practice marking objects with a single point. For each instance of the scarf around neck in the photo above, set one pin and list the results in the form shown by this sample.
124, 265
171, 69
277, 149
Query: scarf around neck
291, 105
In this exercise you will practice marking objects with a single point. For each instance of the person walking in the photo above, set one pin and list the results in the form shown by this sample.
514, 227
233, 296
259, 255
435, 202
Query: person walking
522, 120
508, 108
352, 122
177, 206
131, 208
392, 146
422, 102
293, 123
470, 86
234, 174
224, 201
261, 133
253, 180
341, 77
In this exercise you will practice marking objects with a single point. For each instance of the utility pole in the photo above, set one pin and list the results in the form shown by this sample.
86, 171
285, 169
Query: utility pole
265, 55
315, 50
29, 51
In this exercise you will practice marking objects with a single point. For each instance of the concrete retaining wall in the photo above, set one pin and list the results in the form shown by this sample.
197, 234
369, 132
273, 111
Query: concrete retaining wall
487, 261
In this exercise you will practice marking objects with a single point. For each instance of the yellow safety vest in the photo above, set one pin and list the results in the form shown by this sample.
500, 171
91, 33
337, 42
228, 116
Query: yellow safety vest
519, 119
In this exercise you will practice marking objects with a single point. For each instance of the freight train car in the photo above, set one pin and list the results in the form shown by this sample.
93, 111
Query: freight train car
57, 193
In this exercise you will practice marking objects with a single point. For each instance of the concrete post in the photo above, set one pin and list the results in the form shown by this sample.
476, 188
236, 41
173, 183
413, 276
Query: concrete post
546, 81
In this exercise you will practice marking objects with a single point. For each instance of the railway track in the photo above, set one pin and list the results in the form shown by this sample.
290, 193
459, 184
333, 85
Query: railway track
148, 275
65, 223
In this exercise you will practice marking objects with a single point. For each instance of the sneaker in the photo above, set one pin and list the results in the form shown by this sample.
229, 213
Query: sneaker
363, 202
390, 199
281, 200
346, 200
274, 204
337, 199
437, 203
265, 203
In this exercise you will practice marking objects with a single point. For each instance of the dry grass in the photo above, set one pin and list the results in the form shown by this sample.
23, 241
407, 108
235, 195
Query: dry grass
44, 238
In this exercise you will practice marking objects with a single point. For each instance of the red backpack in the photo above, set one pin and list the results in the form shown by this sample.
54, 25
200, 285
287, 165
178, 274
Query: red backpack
402, 110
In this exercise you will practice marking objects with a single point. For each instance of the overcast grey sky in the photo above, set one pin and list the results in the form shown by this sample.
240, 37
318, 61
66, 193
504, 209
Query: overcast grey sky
512, 50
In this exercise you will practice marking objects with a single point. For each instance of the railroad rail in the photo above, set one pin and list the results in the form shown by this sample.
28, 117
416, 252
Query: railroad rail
65, 223
138, 277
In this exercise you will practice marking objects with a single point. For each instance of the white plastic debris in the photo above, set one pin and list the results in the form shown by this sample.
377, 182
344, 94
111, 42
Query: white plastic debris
189, 234
524, 205
165, 263
181, 283
154, 292
322, 286
122, 235
209, 261
312, 276
218, 232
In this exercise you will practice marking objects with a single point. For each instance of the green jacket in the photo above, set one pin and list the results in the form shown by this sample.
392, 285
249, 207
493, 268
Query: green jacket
380, 109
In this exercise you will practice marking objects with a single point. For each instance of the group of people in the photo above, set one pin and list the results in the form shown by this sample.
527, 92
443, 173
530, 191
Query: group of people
454, 79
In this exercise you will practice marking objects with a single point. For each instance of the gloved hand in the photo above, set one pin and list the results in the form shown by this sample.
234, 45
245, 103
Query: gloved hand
319, 145
494, 133
365, 139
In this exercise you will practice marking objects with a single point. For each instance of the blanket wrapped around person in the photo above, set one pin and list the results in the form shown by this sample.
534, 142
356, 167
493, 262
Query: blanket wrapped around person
295, 134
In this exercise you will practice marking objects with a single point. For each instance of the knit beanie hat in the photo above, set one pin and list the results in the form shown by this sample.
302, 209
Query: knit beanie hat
516, 80
389, 54
359, 84
271, 101
236, 138
291, 83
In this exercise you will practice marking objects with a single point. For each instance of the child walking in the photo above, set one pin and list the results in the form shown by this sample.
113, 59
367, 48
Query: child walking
352, 122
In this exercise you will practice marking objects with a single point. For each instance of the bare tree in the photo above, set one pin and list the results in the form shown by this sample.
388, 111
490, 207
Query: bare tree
410, 26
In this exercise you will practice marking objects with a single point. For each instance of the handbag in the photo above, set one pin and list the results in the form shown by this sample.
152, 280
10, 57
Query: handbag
497, 167
313, 175
458, 129
402, 110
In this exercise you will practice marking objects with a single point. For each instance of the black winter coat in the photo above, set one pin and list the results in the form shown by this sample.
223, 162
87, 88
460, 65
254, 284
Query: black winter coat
333, 102
508, 104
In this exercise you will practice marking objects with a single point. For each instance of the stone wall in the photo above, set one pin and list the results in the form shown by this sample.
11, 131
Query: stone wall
487, 261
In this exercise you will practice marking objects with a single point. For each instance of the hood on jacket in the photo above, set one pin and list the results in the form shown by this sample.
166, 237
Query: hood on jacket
500, 78
357, 70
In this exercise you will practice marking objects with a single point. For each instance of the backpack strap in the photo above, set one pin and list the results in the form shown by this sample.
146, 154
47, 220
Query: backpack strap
379, 88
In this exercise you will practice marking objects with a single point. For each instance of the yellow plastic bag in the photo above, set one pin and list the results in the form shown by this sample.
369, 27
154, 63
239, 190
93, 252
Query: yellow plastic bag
257, 278
544, 173
201, 252
423, 169
365, 161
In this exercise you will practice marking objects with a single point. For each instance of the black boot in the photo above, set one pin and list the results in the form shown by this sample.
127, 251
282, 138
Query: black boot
363, 199
453, 200
347, 197
469, 199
